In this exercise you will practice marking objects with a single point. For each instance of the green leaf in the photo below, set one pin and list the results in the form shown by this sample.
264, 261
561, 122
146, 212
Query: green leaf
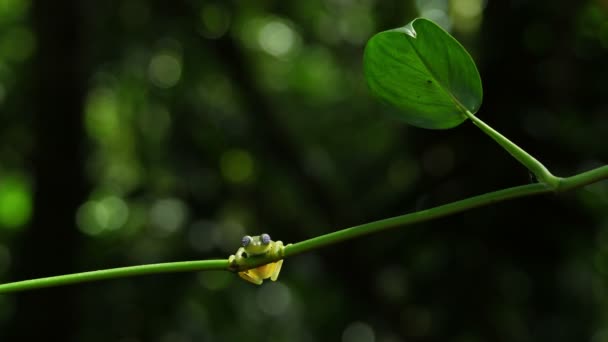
425, 73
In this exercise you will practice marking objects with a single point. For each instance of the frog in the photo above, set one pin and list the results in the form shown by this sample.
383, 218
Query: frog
259, 245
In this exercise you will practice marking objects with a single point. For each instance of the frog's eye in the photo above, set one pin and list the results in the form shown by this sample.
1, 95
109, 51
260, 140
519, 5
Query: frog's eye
265, 239
246, 240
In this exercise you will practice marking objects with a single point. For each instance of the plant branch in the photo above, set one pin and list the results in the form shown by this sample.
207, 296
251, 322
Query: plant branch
564, 184
122, 272
417, 217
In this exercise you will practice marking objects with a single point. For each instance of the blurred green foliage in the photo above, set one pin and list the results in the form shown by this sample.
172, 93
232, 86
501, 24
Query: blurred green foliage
206, 120
15, 203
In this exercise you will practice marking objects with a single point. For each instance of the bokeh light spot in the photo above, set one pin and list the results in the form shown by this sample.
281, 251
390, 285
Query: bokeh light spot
101, 119
15, 202
435, 10
467, 9
277, 38
215, 21
466, 15
165, 70
391, 283
273, 298
17, 44
316, 75
358, 332
107, 214
402, 173
168, 215
230, 229
237, 166
214, 280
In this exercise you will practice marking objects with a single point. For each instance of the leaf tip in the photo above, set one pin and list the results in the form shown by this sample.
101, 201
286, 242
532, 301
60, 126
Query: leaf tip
409, 30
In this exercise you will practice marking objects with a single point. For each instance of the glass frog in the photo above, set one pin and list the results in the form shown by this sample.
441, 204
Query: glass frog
258, 246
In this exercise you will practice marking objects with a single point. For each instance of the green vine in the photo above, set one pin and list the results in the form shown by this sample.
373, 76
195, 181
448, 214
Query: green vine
566, 184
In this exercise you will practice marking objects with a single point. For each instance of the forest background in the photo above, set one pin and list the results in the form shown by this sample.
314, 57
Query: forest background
136, 132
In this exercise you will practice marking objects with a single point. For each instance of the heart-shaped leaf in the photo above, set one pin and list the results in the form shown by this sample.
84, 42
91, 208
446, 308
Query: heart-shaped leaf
424, 72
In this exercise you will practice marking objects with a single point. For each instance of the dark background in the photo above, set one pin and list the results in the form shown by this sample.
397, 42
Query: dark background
140, 131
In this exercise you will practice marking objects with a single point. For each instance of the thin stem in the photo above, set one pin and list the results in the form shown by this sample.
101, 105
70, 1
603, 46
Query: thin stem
565, 184
584, 178
536, 167
168, 267
417, 217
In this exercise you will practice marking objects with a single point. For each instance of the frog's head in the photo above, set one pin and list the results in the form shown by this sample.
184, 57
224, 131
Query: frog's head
256, 245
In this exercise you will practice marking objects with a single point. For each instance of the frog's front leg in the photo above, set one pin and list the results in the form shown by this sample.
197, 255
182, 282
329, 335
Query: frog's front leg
278, 249
235, 259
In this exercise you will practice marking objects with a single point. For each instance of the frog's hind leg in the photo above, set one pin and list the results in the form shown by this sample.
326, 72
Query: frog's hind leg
251, 277
277, 270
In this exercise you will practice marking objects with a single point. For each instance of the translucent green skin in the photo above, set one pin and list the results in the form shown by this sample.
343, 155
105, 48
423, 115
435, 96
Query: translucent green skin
256, 247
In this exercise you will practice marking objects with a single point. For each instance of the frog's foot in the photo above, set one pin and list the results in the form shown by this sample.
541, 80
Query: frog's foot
251, 277
232, 263
277, 270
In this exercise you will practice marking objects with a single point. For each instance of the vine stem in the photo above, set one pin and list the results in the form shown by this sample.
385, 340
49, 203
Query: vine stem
112, 273
570, 183
565, 184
